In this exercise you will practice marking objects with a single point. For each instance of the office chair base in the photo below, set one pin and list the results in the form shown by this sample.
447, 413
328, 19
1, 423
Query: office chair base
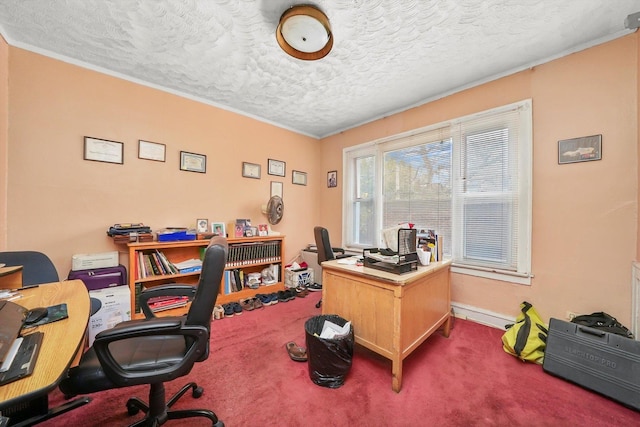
157, 412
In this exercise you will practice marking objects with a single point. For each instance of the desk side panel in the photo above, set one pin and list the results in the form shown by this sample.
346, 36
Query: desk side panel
366, 303
425, 307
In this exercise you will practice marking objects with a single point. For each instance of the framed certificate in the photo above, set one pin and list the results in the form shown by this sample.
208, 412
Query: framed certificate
276, 167
250, 170
103, 150
193, 162
151, 151
299, 178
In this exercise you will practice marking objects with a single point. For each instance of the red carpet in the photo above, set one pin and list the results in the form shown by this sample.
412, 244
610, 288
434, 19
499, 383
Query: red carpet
463, 380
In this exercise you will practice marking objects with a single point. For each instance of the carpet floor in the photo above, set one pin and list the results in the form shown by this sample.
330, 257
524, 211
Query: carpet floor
464, 380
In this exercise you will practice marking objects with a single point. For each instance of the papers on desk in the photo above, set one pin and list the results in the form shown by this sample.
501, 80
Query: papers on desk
348, 261
391, 259
331, 330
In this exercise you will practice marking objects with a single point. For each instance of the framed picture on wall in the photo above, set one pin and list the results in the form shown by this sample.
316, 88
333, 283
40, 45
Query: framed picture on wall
276, 167
276, 188
103, 150
299, 178
583, 149
151, 151
193, 162
332, 179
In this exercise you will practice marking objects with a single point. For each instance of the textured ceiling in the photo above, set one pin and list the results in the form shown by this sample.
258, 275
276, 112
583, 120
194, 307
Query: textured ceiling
388, 55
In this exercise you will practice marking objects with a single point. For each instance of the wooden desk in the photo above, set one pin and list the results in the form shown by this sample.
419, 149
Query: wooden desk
60, 343
391, 314
11, 277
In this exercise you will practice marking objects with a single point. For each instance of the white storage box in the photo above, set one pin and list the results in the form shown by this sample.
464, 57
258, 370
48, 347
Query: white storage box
90, 261
293, 279
115, 307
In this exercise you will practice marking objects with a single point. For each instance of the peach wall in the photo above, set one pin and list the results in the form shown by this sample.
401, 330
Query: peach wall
4, 137
585, 214
60, 204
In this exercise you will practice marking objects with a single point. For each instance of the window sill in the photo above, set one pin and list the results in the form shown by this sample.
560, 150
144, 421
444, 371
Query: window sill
493, 274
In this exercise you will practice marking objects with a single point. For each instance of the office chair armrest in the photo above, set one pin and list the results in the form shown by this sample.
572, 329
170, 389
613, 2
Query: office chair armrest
122, 376
340, 250
171, 290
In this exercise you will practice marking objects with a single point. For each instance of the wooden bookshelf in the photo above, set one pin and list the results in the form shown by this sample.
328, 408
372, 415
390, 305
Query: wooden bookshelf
249, 254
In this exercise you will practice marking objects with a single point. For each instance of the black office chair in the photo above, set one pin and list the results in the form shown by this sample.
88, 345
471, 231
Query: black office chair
326, 252
155, 349
37, 268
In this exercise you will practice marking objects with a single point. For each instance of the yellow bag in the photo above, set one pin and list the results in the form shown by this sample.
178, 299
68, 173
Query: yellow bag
527, 338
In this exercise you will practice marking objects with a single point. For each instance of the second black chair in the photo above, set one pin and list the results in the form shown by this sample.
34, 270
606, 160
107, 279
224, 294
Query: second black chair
156, 350
326, 252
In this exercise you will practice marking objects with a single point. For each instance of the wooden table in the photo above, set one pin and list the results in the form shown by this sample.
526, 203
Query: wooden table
391, 314
11, 277
61, 342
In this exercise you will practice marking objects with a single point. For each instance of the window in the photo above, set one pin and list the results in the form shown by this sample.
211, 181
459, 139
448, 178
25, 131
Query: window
469, 179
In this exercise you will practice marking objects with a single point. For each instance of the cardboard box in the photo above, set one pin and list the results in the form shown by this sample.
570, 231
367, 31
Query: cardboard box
293, 279
115, 307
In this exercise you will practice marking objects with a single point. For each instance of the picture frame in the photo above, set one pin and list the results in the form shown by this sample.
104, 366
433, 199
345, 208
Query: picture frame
582, 149
218, 228
250, 170
299, 178
332, 179
276, 188
202, 225
193, 162
103, 150
276, 167
155, 151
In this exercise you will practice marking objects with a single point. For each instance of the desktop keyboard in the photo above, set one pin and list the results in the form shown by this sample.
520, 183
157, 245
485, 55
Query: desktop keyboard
24, 360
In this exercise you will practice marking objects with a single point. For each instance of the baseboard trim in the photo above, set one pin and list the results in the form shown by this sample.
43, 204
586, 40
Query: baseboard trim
479, 315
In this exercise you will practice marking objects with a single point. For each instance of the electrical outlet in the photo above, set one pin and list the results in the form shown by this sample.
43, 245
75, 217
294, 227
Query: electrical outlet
570, 315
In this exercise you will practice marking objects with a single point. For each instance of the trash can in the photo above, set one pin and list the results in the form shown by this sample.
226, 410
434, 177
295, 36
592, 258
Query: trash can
329, 360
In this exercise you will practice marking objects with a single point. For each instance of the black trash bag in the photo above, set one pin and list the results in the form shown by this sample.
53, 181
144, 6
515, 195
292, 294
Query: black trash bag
329, 360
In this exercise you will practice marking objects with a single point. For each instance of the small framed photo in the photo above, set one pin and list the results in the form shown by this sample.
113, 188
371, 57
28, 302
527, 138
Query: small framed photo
332, 179
250, 170
151, 151
202, 225
102, 150
583, 149
193, 162
299, 178
276, 188
263, 230
218, 229
276, 167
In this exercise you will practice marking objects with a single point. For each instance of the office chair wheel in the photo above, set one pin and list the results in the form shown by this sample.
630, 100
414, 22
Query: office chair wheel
197, 392
132, 409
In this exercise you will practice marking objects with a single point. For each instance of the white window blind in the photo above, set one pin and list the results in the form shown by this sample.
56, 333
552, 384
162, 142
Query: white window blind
490, 194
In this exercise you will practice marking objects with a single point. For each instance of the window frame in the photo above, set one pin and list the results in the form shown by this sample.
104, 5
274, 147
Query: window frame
524, 160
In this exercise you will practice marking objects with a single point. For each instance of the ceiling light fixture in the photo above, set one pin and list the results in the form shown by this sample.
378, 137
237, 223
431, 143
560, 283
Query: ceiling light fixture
304, 33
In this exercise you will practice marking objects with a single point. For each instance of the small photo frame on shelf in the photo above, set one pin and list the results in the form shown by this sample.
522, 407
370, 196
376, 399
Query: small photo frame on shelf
276, 188
250, 170
332, 179
218, 228
276, 167
299, 178
103, 150
192, 162
202, 225
583, 149
151, 151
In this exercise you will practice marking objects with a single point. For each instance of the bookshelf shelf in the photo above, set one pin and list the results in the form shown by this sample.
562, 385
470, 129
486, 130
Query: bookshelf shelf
249, 255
